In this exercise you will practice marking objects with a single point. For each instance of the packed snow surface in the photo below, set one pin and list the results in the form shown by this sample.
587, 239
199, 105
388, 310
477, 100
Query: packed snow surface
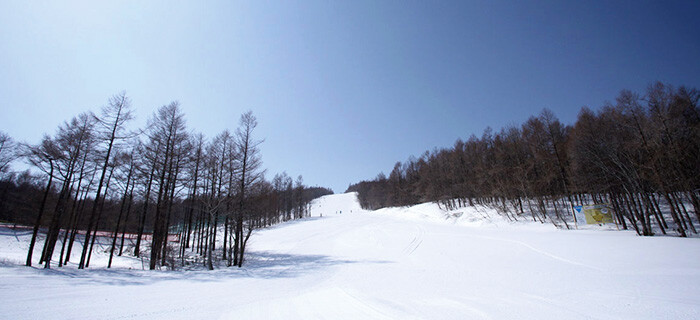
399, 263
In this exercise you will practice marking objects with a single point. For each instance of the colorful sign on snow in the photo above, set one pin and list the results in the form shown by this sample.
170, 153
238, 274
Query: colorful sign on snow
595, 214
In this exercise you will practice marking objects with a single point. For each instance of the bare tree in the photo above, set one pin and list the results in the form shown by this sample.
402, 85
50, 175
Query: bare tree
41, 156
250, 162
73, 140
8, 152
112, 122
167, 132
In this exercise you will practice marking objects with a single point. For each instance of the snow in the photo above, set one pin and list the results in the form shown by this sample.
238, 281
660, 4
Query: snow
398, 263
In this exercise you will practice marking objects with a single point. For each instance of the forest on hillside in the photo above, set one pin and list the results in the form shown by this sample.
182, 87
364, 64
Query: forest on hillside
93, 175
640, 154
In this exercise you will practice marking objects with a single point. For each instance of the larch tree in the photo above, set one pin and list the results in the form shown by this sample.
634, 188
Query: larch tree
167, 131
41, 156
73, 140
112, 126
8, 152
250, 173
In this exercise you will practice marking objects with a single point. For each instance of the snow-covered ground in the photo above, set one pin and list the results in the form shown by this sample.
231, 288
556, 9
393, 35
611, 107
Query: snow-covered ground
396, 263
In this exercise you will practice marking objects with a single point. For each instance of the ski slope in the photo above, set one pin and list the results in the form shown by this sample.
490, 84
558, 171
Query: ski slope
397, 263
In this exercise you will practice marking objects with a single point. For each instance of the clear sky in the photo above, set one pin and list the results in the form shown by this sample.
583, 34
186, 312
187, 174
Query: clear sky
342, 89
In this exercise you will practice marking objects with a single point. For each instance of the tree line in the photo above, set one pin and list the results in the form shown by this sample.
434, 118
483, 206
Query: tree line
639, 154
164, 180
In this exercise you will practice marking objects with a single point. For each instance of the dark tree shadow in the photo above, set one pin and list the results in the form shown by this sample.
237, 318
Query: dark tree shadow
267, 265
258, 264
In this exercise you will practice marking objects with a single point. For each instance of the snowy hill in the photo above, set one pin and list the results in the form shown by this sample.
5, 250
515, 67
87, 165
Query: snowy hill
335, 204
397, 263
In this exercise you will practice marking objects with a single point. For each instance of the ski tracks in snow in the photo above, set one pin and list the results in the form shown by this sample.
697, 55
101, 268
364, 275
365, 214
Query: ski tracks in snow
417, 240
539, 251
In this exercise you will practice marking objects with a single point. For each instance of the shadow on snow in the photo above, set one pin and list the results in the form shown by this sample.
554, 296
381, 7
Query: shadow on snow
260, 264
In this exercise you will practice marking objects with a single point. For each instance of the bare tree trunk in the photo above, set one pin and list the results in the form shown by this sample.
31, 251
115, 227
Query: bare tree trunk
55, 228
99, 217
675, 215
93, 214
240, 261
72, 220
37, 224
119, 219
126, 219
657, 215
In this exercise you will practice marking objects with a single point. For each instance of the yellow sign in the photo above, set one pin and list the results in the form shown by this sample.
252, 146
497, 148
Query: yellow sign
595, 214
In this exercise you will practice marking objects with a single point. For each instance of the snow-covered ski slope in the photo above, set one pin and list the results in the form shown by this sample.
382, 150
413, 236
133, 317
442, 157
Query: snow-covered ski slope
398, 263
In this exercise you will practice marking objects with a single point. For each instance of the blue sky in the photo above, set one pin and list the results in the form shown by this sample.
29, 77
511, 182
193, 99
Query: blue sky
342, 89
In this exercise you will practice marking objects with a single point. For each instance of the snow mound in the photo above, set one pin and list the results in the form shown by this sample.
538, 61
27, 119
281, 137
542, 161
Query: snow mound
470, 216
